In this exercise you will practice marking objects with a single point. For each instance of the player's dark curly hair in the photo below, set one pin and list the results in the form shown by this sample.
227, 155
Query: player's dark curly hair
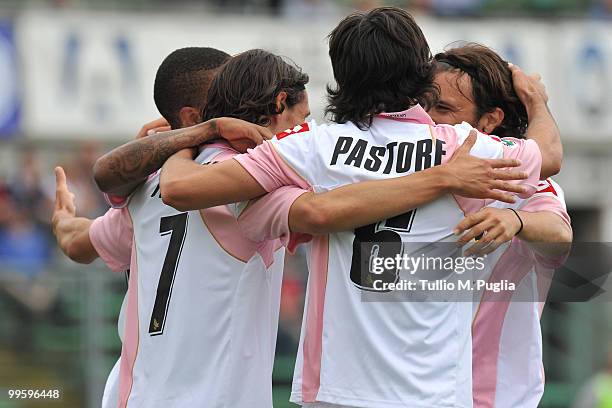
491, 84
246, 87
381, 63
183, 79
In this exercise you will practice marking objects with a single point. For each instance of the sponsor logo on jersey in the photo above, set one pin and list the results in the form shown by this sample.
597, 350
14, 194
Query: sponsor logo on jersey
395, 115
508, 143
298, 129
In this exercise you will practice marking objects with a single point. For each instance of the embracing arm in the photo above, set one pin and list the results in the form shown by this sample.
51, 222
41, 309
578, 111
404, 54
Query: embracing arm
354, 205
544, 131
186, 185
546, 233
542, 126
123, 169
120, 171
71, 232
359, 204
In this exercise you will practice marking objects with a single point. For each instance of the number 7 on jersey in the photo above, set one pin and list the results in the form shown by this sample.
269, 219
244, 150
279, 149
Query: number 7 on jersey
176, 226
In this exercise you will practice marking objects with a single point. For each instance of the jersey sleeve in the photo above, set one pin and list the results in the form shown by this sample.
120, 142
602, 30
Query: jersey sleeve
286, 160
111, 236
267, 218
493, 147
119, 202
549, 197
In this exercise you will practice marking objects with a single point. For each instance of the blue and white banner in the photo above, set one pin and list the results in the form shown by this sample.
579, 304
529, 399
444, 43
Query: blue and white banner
91, 74
9, 90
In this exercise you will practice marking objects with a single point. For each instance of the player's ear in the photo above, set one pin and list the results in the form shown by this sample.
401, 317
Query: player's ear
281, 99
491, 120
189, 116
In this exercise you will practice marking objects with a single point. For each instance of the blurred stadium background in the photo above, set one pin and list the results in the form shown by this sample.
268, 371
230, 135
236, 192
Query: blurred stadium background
76, 78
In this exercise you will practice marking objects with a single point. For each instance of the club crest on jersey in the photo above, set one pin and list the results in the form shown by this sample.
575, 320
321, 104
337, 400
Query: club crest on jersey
297, 129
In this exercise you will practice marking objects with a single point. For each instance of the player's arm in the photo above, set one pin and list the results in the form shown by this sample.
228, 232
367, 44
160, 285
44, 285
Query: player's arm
186, 185
542, 126
544, 231
547, 233
123, 169
359, 204
83, 240
71, 232
542, 222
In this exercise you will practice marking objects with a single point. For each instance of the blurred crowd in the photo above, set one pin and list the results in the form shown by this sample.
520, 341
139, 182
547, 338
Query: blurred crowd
27, 245
334, 8
29, 254
453, 8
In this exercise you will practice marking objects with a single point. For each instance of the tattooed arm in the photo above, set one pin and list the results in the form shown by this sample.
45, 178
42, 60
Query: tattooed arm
122, 170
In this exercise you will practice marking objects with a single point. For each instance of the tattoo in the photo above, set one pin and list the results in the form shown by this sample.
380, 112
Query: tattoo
124, 168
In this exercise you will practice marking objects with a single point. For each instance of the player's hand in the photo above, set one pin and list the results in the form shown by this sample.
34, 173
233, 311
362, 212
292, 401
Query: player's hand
64, 199
494, 226
529, 88
156, 126
240, 134
474, 177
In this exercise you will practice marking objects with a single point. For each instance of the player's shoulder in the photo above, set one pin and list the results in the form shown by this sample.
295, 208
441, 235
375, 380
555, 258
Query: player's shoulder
548, 195
215, 152
123, 203
487, 146
302, 130
549, 187
305, 137
312, 129
463, 129
453, 134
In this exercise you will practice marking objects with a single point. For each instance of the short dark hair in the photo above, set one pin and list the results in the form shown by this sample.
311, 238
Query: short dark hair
491, 84
382, 63
246, 87
183, 79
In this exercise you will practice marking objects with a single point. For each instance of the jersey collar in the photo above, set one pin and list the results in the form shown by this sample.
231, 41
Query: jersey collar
218, 143
416, 114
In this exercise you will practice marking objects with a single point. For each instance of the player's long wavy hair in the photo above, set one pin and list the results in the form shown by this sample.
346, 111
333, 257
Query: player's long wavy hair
492, 86
382, 63
247, 85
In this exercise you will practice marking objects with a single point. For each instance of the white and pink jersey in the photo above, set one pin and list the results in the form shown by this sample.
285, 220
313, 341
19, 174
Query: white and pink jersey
507, 341
111, 235
203, 299
379, 354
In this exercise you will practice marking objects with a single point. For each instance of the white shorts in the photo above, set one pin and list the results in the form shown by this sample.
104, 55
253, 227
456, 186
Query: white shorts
110, 398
